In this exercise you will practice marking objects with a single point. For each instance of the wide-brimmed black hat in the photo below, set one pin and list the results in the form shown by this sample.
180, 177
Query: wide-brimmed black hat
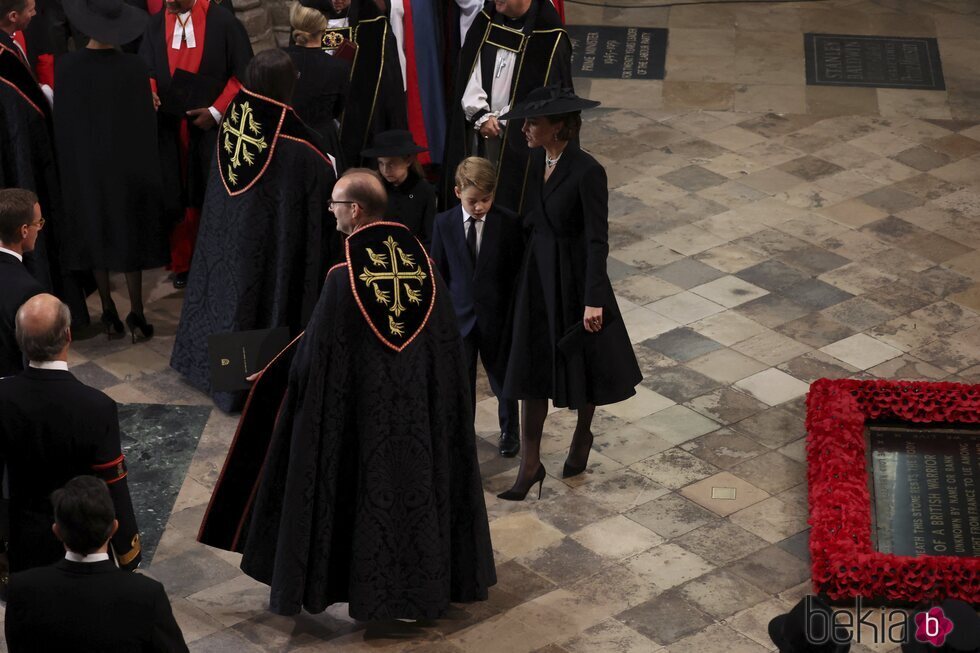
396, 142
791, 632
549, 101
113, 22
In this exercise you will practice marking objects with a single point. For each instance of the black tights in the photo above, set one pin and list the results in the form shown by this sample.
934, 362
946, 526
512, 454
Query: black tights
533, 415
134, 283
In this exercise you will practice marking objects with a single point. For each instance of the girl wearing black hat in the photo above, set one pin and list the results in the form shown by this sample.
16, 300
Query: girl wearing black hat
411, 199
569, 343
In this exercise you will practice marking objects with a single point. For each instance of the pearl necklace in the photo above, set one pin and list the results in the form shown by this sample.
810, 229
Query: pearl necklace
552, 162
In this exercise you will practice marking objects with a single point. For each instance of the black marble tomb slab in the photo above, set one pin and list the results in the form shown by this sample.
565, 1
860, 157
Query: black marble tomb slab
618, 52
879, 61
925, 488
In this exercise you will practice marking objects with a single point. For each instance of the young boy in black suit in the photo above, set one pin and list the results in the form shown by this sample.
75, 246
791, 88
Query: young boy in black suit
478, 249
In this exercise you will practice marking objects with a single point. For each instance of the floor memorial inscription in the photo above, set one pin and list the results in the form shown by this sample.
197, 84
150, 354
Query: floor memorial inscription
924, 489
879, 61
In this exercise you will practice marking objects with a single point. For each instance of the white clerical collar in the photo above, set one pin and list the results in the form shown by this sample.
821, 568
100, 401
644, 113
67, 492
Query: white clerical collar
184, 30
16, 255
71, 556
50, 365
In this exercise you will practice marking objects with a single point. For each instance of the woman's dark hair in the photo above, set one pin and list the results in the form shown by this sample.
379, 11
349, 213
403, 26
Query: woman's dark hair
271, 73
84, 513
571, 125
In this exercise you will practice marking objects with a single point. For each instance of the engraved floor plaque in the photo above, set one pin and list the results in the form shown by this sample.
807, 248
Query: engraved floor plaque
879, 61
618, 52
924, 490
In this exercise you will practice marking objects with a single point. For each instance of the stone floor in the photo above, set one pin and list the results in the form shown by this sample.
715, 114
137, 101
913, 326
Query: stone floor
763, 234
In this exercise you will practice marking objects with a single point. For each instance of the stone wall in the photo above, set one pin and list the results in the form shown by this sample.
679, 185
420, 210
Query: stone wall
267, 22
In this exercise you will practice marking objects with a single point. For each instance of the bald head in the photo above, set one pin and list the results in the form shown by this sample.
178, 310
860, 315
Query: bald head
42, 325
359, 199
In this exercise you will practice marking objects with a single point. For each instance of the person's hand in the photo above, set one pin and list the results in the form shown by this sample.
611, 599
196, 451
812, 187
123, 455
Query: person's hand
490, 128
592, 320
156, 101
202, 118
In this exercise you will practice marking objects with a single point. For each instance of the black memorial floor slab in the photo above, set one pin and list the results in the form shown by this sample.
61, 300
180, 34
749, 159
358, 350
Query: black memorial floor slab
608, 52
878, 61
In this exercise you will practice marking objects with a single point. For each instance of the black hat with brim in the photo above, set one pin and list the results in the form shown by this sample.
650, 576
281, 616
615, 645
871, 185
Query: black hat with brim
113, 22
549, 101
396, 142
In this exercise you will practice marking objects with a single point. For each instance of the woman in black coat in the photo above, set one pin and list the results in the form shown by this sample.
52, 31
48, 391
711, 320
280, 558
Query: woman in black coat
106, 136
411, 199
569, 342
322, 80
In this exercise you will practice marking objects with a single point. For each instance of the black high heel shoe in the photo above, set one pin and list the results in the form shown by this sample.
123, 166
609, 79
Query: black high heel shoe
518, 494
113, 325
134, 322
568, 470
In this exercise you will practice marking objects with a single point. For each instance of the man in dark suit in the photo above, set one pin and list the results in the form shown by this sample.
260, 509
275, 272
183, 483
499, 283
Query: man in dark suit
20, 221
84, 603
478, 248
53, 428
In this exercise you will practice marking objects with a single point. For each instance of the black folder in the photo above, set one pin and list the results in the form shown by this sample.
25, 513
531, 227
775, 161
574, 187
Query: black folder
238, 354
189, 91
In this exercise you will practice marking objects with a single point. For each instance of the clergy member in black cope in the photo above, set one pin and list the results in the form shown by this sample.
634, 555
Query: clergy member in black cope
377, 91
370, 492
213, 47
512, 48
27, 154
267, 236
105, 132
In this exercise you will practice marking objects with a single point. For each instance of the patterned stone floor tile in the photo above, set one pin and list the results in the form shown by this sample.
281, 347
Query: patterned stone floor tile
669, 516
725, 365
682, 344
617, 537
815, 330
611, 636
679, 383
723, 448
771, 569
771, 347
619, 490
687, 273
772, 519
720, 542
717, 637
772, 472
728, 327
772, 428
674, 468
772, 310
862, 351
665, 619
721, 593
726, 405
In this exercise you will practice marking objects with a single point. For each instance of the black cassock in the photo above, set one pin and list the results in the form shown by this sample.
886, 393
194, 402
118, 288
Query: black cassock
266, 238
106, 133
544, 57
27, 160
370, 492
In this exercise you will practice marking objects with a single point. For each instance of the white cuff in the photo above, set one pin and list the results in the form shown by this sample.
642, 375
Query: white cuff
216, 115
48, 93
482, 119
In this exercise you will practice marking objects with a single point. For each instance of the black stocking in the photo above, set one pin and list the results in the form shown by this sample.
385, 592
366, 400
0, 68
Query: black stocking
134, 283
102, 281
533, 414
578, 452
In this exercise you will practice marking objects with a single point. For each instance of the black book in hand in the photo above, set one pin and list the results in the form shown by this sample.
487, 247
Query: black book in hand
239, 354
189, 91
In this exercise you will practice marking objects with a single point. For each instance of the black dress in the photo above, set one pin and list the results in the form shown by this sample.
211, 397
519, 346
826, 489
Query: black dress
321, 94
564, 271
106, 137
413, 203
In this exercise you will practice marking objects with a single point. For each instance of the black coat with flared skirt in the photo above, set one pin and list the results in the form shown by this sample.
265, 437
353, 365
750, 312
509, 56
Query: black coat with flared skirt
564, 271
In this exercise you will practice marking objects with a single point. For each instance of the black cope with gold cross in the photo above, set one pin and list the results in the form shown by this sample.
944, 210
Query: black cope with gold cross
391, 276
246, 139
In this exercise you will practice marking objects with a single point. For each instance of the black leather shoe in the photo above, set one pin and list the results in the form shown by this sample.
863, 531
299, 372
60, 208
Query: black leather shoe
180, 280
509, 445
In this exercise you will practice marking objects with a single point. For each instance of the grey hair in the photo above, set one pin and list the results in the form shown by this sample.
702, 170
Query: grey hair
47, 344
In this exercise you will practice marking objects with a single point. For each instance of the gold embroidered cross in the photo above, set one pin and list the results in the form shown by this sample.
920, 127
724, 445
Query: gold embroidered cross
247, 132
399, 276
